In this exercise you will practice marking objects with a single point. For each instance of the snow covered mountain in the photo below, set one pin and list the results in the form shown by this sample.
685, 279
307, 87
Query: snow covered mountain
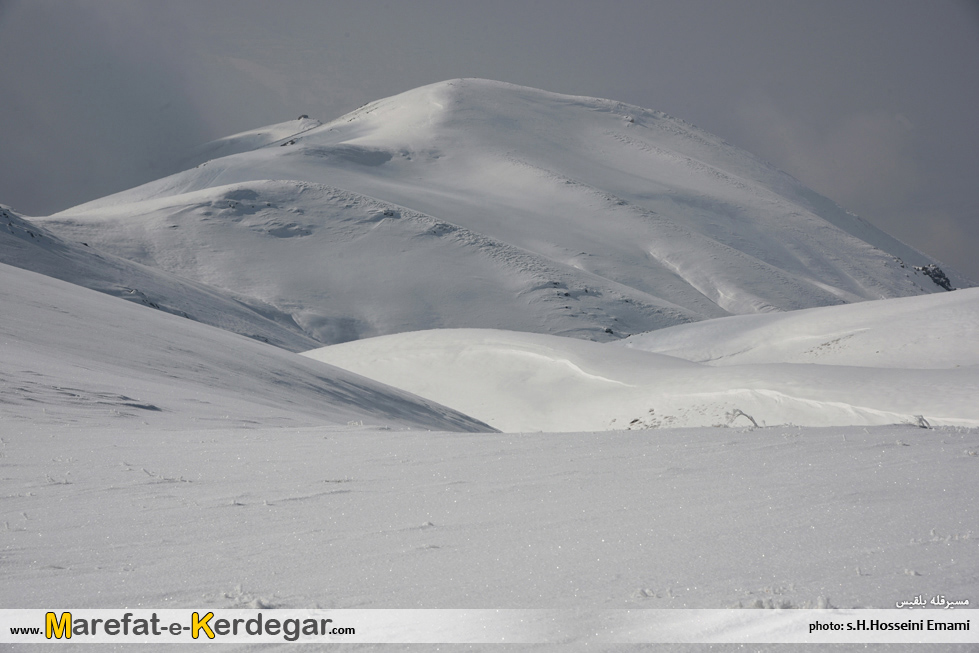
522, 216
472, 203
923, 333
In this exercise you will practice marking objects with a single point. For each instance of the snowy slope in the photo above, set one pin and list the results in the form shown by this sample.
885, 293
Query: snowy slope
148, 461
73, 356
344, 266
882, 362
933, 332
252, 139
475, 203
26, 245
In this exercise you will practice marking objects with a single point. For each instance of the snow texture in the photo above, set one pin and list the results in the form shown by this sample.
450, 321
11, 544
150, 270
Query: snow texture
521, 382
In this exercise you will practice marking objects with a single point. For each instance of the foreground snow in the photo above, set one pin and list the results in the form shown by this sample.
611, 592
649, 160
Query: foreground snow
358, 518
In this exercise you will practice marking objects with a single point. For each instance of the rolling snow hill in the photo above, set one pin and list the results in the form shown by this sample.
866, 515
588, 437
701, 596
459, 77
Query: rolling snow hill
910, 361
71, 356
933, 332
472, 203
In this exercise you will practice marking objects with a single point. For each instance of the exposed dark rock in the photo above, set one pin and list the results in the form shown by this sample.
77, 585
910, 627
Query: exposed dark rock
935, 274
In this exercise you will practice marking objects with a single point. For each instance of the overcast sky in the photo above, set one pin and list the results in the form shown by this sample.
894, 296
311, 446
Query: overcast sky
873, 103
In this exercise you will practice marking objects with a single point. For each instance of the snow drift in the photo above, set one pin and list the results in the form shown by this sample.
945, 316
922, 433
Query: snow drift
911, 361
934, 332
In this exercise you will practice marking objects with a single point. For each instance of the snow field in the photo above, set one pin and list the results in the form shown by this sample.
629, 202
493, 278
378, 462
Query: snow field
343, 517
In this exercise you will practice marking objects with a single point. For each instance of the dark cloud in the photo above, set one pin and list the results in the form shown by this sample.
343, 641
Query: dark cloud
90, 104
871, 103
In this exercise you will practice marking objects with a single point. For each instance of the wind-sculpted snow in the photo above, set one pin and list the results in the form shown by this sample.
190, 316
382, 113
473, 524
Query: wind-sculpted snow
73, 356
280, 134
344, 266
935, 332
495, 194
520, 382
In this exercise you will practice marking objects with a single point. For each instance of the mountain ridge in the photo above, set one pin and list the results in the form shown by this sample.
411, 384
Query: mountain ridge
30, 246
599, 198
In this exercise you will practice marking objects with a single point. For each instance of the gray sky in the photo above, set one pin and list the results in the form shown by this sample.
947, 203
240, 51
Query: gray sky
873, 103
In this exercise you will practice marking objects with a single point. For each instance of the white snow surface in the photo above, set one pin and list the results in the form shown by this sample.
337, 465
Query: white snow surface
933, 332
324, 517
472, 203
73, 356
27, 245
251, 140
150, 461
520, 382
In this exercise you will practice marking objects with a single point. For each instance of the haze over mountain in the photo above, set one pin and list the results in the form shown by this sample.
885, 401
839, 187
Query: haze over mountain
71, 356
30, 246
472, 203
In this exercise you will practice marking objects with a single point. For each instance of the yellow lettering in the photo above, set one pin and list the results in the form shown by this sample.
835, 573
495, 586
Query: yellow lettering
57, 628
199, 624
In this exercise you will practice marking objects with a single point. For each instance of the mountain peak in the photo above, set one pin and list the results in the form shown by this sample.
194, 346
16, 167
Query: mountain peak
477, 203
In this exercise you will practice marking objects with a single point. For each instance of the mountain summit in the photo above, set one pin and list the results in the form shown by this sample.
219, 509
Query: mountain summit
472, 203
